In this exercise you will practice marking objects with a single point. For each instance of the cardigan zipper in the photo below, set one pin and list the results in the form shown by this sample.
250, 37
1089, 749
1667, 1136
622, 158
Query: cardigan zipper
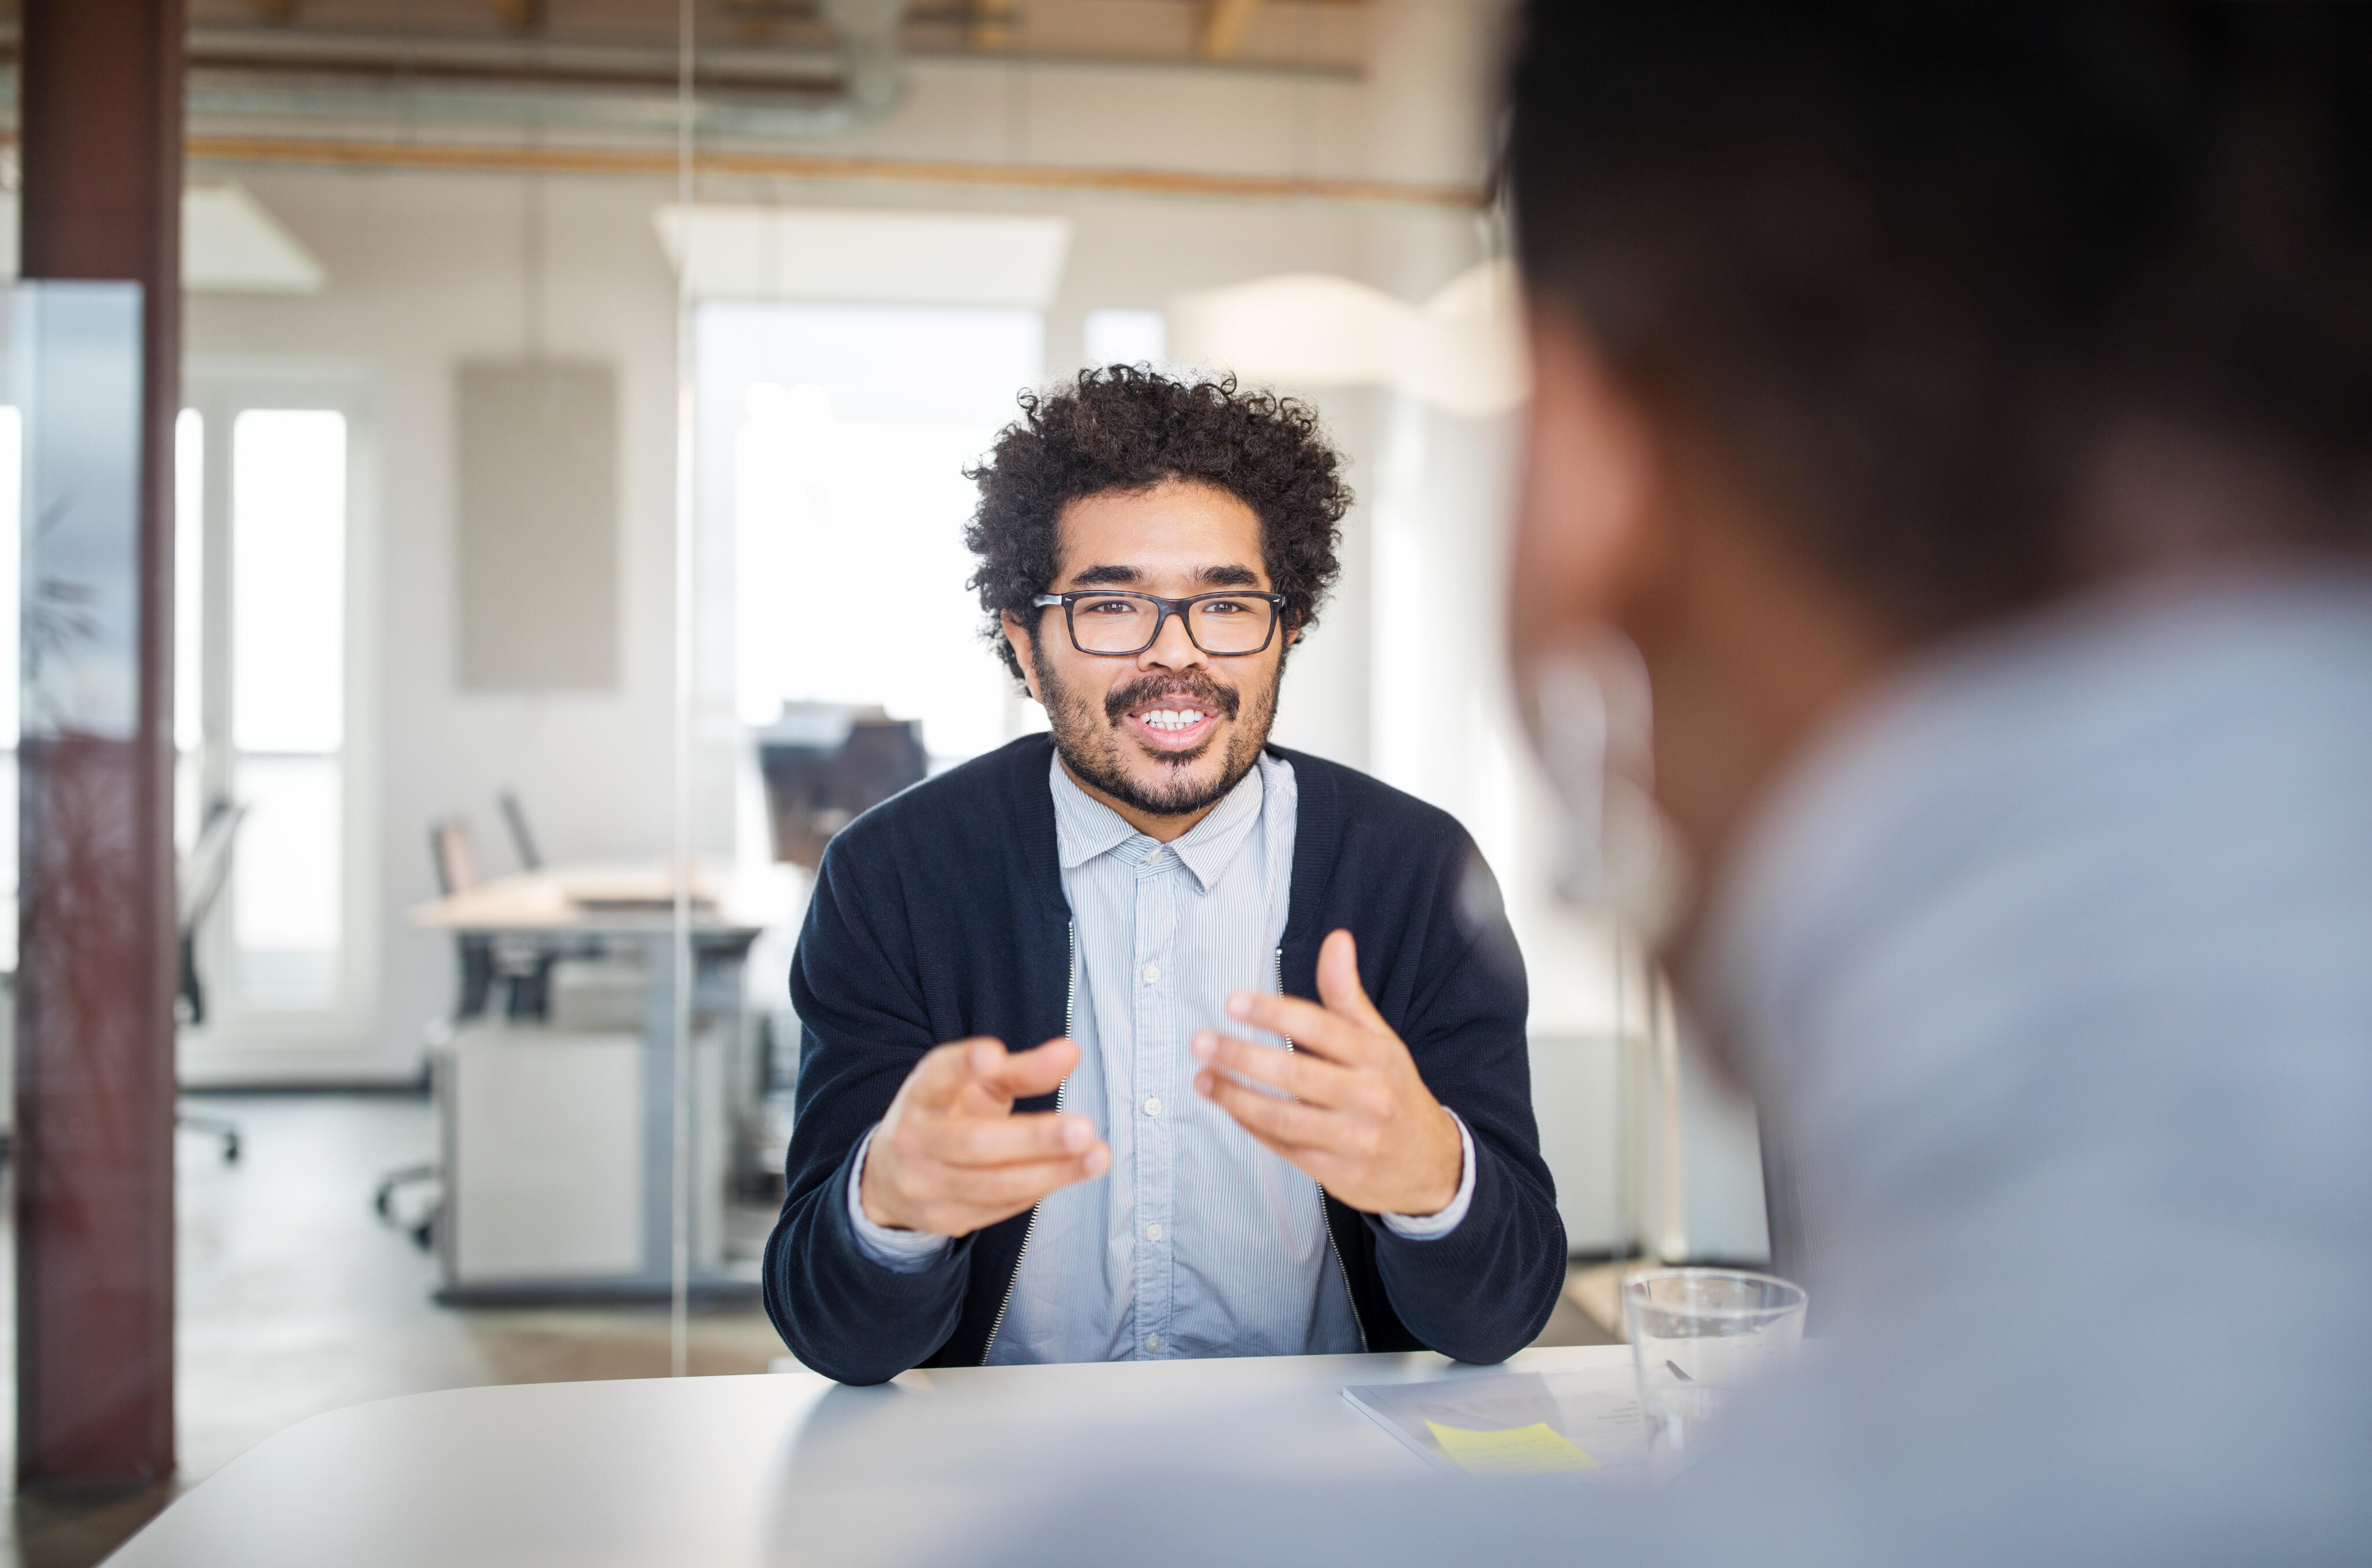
1070, 1008
1340, 1267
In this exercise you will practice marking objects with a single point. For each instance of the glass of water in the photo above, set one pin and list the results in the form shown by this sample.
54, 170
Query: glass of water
1697, 1336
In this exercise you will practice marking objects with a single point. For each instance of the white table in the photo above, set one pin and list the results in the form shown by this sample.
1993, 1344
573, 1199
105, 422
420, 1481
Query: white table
630, 903
733, 1471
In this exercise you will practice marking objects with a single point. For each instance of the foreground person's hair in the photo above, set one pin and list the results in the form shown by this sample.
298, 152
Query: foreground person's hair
1129, 429
1977, 302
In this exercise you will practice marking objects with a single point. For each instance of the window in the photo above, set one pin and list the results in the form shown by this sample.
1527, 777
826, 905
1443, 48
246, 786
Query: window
278, 748
288, 700
845, 432
11, 544
260, 703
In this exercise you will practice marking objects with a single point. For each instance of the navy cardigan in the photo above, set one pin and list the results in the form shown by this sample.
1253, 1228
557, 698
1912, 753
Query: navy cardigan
940, 915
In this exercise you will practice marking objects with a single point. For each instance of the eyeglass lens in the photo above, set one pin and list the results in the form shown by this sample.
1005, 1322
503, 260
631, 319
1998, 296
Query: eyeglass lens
1120, 624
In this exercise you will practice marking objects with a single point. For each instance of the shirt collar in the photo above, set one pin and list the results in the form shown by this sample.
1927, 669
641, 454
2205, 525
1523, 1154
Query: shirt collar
1086, 827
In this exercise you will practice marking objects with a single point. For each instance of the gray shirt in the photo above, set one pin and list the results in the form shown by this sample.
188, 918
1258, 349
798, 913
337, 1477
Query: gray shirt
2054, 965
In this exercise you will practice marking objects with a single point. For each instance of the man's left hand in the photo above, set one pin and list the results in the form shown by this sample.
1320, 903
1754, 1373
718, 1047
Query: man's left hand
1361, 1121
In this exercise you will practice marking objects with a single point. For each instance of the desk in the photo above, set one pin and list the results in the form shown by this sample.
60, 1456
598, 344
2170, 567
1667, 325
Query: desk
733, 1472
630, 905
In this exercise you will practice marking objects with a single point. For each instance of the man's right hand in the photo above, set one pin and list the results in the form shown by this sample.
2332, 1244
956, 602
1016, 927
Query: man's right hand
951, 1158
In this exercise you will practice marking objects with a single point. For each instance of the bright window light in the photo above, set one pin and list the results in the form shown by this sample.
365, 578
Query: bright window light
1127, 337
849, 503
12, 436
11, 472
287, 718
289, 565
189, 580
286, 887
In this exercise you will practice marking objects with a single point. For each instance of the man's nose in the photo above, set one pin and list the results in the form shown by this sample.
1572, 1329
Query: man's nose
1173, 649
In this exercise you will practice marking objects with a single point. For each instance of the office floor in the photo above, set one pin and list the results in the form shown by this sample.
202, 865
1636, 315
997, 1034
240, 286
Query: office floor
294, 1299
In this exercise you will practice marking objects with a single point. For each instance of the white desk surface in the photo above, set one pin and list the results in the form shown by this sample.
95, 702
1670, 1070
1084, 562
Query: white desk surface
624, 896
733, 1471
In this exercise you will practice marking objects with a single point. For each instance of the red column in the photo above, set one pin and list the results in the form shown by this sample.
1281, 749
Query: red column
100, 118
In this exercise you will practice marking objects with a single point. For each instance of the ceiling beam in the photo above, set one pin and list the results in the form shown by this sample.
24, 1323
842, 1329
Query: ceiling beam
452, 156
1223, 27
992, 24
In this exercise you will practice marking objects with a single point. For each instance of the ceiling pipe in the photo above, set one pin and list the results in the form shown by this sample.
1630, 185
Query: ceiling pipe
238, 76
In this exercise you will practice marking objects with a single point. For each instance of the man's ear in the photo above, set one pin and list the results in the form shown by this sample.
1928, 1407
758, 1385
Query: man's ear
1025, 651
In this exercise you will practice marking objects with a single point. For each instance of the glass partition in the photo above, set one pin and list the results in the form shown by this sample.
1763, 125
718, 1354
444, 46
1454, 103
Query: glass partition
569, 495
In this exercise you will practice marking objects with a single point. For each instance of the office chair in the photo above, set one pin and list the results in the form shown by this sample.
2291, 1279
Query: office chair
814, 790
453, 855
515, 819
202, 876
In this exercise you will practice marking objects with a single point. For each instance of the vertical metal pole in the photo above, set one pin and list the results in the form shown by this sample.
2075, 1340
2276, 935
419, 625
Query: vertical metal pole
102, 159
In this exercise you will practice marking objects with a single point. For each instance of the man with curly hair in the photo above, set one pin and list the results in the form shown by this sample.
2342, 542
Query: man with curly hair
1198, 1160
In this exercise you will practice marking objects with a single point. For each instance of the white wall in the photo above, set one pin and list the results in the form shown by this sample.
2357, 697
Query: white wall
429, 270
1402, 675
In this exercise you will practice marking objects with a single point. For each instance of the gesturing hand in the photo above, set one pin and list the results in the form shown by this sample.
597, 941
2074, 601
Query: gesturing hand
950, 1156
1361, 1121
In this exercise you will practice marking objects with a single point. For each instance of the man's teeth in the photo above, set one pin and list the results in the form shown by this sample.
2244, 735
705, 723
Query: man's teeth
1173, 718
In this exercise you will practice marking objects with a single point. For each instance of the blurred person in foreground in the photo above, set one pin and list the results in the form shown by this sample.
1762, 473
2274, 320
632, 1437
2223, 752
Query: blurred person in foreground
1965, 414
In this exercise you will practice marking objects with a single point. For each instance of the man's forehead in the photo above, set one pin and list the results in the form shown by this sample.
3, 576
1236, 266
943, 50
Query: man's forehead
1171, 531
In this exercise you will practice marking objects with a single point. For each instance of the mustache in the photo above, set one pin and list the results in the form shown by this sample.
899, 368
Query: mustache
1224, 699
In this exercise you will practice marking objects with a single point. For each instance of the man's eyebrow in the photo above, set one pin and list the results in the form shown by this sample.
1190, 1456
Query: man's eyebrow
1105, 573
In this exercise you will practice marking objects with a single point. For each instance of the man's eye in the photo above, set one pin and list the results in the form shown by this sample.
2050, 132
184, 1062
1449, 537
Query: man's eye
1109, 606
1225, 606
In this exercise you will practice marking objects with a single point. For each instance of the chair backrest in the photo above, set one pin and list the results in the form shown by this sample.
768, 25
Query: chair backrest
455, 855
515, 819
206, 867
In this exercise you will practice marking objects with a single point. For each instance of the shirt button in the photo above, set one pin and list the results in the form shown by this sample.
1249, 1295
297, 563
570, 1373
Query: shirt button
1153, 974
1153, 1105
1153, 1232
1153, 1341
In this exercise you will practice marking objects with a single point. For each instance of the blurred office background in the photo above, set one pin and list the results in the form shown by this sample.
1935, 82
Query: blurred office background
449, 306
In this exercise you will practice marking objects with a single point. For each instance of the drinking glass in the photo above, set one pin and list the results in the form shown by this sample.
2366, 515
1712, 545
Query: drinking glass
1697, 1335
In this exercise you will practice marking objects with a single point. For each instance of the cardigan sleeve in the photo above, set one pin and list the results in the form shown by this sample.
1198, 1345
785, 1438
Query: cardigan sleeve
863, 1028
1486, 1289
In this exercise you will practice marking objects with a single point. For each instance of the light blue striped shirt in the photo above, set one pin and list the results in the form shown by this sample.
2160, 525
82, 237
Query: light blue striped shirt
1198, 1241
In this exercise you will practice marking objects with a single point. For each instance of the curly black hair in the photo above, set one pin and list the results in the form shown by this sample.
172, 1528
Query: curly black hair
1128, 428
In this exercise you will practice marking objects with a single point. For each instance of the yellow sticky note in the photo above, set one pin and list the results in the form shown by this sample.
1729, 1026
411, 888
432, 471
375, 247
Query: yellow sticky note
1537, 1449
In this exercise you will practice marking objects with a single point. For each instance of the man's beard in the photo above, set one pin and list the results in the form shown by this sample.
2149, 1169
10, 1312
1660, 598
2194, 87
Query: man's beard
1090, 736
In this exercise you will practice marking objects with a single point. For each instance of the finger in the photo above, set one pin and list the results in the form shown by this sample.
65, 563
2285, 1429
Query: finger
1308, 1078
1336, 1173
1338, 983
1021, 1074
1008, 1189
1007, 1140
946, 1071
1309, 1026
1276, 1120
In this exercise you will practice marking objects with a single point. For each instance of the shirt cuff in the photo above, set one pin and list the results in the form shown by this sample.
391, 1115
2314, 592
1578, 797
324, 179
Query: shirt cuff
1431, 1227
901, 1252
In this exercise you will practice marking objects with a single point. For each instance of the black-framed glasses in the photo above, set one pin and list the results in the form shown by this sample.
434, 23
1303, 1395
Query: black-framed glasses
1224, 625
